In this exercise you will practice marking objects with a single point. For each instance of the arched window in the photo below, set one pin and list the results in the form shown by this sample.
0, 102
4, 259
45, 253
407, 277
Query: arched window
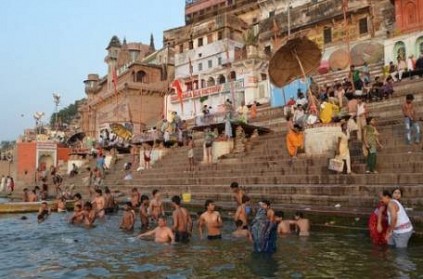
211, 82
202, 83
399, 51
141, 76
221, 79
232, 75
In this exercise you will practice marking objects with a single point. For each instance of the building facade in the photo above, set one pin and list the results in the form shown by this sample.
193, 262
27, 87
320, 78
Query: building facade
133, 90
216, 57
407, 39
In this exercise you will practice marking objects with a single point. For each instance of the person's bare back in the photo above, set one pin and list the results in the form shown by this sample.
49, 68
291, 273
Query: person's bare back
303, 225
128, 220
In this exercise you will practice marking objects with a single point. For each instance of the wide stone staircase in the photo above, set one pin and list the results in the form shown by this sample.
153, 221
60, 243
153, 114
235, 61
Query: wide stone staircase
266, 171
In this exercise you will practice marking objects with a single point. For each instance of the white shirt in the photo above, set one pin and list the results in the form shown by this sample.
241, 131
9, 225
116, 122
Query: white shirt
402, 219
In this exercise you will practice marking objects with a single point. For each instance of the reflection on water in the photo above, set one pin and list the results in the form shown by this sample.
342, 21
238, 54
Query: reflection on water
55, 249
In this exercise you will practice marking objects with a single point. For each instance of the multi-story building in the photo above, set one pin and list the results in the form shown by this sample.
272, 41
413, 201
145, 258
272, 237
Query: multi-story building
133, 90
407, 39
211, 58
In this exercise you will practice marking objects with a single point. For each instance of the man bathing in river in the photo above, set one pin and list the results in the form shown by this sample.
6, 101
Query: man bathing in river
78, 215
212, 220
156, 205
270, 213
182, 222
238, 193
162, 234
43, 212
241, 231
135, 198
284, 226
109, 201
241, 212
303, 225
99, 202
89, 214
144, 212
128, 218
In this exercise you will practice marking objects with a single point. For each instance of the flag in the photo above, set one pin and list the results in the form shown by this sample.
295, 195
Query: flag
177, 86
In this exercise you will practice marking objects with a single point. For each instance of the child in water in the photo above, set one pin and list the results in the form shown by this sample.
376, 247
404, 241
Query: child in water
43, 212
241, 231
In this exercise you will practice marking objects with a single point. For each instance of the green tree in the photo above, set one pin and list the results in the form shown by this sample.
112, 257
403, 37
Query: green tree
66, 114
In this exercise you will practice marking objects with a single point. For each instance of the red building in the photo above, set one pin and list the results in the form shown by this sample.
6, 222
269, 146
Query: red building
409, 15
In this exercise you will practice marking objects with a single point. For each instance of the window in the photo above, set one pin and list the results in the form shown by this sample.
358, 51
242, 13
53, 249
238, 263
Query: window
141, 77
232, 75
210, 63
221, 79
271, 13
181, 48
220, 35
191, 45
210, 38
200, 42
362, 26
327, 35
200, 66
219, 61
267, 50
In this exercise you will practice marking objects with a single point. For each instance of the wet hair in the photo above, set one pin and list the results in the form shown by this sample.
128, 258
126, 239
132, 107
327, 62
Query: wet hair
267, 202
409, 97
24, 218
25, 189
129, 204
176, 200
88, 204
207, 203
245, 199
107, 190
368, 120
78, 206
144, 198
238, 223
299, 214
155, 191
77, 195
36, 188
44, 203
397, 188
163, 217
134, 189
234, 185
98, 191
279, 214
386, 193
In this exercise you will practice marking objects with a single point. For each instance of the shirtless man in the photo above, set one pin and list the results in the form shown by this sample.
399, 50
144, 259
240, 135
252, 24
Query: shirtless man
162, 234
128, 218
182, 222
78, 200
284, 226
135, 198
156, 206
270, 212
238, 193
109, 201
78, 215
43, 212
99, 203
241, 212
61, 204
212, 220
303, 225
241, 231
32, 196
25, 197
144, 211
89, 214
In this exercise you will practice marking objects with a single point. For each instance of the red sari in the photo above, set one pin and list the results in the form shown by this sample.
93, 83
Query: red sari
378, 238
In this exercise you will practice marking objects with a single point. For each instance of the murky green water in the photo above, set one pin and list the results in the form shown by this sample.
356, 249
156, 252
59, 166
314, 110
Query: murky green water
55, 249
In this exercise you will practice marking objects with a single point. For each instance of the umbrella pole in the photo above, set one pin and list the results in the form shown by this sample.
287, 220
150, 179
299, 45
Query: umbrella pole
294, 52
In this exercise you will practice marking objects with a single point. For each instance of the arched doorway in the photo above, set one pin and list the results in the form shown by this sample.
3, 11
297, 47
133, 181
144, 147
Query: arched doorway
399, 51
45, 161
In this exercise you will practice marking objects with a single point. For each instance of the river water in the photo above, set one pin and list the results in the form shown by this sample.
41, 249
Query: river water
55, 249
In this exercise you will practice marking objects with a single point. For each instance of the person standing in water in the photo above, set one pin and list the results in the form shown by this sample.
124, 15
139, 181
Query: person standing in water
144, 211
156, 205
263, 231
89, 214
77, 216
99, 203
241, 212
303, 224
128, 218
182, 222
400, 228
162, 233
212, 220
109, 201
43, 212
241, 231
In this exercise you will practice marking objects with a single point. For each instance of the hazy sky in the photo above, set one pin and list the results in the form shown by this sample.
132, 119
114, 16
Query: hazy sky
50, 46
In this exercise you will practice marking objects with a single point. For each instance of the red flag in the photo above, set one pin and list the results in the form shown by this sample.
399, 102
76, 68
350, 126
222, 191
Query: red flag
176, 84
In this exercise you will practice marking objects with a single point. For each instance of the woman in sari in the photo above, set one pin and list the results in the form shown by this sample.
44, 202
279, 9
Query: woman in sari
264, 233
378, 224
